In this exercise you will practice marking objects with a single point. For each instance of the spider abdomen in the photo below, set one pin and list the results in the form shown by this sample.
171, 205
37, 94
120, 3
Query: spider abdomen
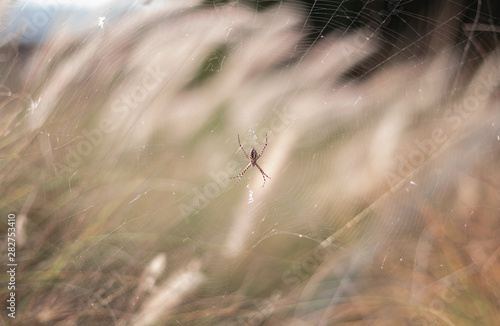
253, 154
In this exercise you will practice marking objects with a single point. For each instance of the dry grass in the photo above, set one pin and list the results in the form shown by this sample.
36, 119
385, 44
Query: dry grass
116, 149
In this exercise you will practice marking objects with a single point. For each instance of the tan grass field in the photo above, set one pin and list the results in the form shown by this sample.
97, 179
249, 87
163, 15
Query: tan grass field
117, 147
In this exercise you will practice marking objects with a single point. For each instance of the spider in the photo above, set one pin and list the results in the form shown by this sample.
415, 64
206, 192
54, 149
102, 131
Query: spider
253, 161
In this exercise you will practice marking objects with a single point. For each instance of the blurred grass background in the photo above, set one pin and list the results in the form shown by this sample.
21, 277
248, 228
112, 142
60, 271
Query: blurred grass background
118, 144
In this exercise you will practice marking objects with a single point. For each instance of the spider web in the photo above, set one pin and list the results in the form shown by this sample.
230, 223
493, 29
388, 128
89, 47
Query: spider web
383, 148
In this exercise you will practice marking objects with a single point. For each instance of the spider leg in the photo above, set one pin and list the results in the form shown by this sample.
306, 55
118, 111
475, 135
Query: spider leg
265, 145
241, 147
264, 175
242, 172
